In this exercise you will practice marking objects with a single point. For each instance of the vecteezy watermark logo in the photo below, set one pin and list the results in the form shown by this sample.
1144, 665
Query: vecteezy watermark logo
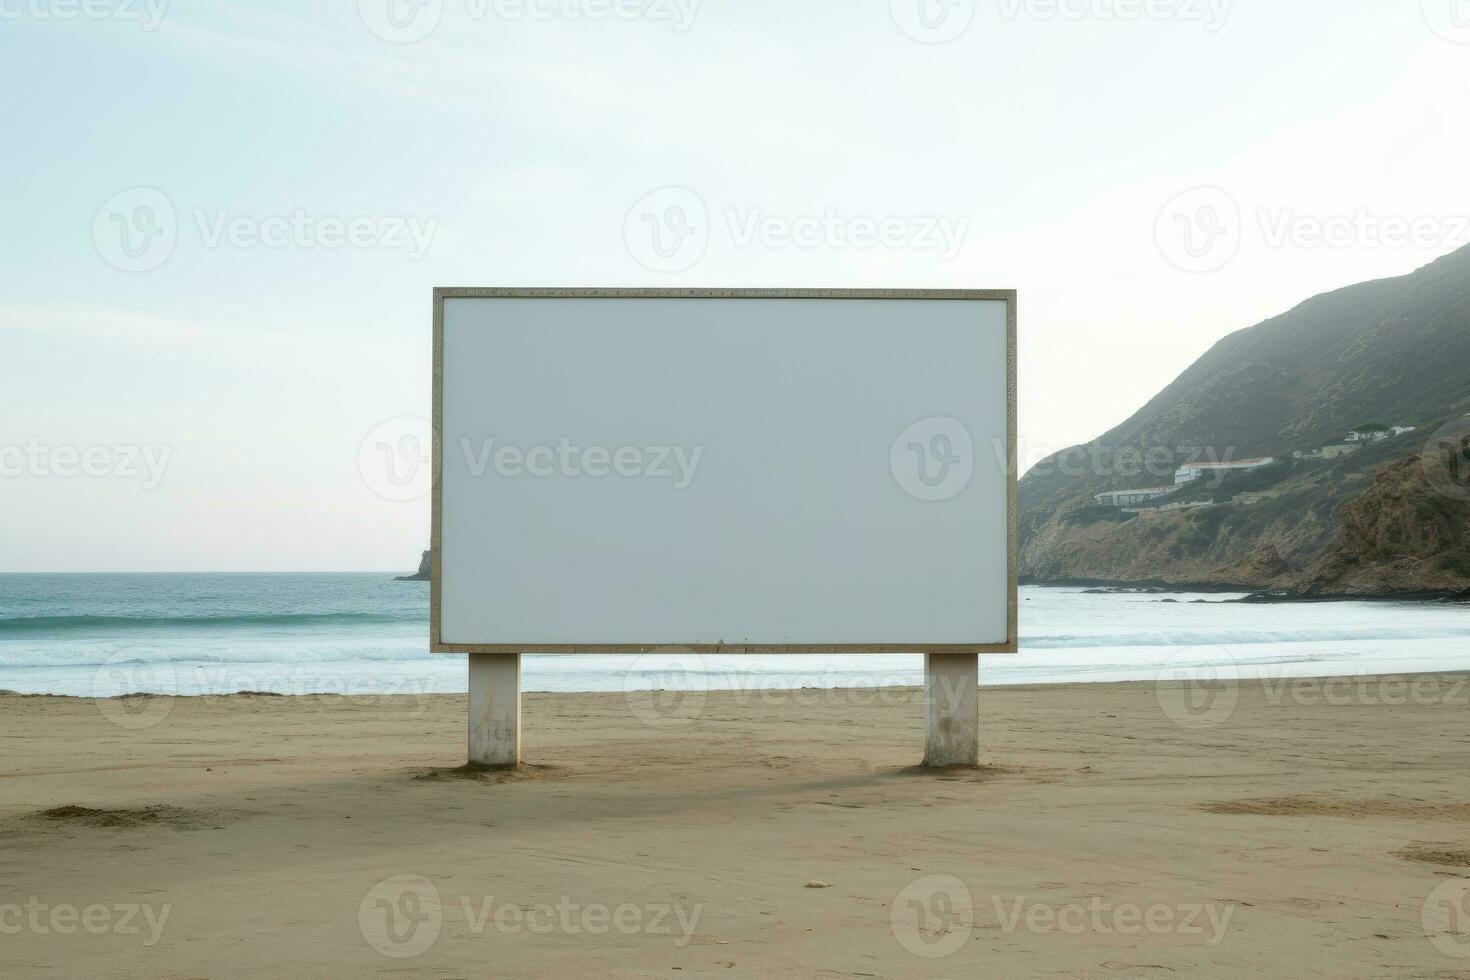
677, 13
1374, 690
1446, 459
133, 694
38, 460
933, 459
1362, 229
677, 464
1199, 230
401, 916
395, 461
405, 694
401, 21
933, 917
1204, 466
1211, 13
667, 689
670, 230
1450, 19
667, 230
933, 21
1197, 688
1446, 918
148, 13
302, 230
1207, 921
941, 234
136, 230
571, 918
65, 919
407, 21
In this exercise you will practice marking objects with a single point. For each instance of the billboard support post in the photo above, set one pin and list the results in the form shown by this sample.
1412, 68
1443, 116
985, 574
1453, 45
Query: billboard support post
495, 709
951, 709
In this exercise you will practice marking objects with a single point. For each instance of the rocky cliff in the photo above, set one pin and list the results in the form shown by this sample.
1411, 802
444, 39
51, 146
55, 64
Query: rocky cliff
1394, 352
426, 569
1408, 532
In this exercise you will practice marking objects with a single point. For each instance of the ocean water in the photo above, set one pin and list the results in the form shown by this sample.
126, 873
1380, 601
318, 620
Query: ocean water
104, 635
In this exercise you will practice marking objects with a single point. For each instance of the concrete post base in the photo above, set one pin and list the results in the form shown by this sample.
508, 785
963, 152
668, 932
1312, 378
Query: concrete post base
495, 709
951, 709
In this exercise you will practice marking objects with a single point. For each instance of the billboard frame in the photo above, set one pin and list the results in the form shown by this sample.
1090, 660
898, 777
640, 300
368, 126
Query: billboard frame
1008, 296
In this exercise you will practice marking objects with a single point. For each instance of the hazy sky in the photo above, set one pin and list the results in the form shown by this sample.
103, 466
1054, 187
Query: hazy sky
223, 220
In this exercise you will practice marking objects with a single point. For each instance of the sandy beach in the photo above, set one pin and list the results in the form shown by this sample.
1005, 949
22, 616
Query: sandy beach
1115, 830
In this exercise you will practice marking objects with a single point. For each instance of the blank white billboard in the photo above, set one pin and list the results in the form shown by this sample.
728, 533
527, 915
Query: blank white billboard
758, 471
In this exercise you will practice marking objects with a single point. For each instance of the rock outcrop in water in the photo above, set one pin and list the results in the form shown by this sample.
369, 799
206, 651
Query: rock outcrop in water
426, 569
1361, 520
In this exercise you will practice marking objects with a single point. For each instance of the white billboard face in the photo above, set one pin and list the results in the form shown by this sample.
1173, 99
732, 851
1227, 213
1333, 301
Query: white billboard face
734, 471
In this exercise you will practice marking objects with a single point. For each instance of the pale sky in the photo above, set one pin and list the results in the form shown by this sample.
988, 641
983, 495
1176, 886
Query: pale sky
223, 220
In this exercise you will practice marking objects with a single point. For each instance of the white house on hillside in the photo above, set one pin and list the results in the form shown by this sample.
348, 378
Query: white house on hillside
1374, 433
1132, 498
1188, 474
1329, 452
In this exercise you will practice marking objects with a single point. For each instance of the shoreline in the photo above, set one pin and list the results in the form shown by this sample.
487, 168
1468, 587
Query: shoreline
788, 693
1252, 593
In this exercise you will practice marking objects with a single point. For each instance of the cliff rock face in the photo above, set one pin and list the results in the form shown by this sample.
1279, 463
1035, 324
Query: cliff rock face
1403, 534
425, 572
1216, 546
1395, 352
